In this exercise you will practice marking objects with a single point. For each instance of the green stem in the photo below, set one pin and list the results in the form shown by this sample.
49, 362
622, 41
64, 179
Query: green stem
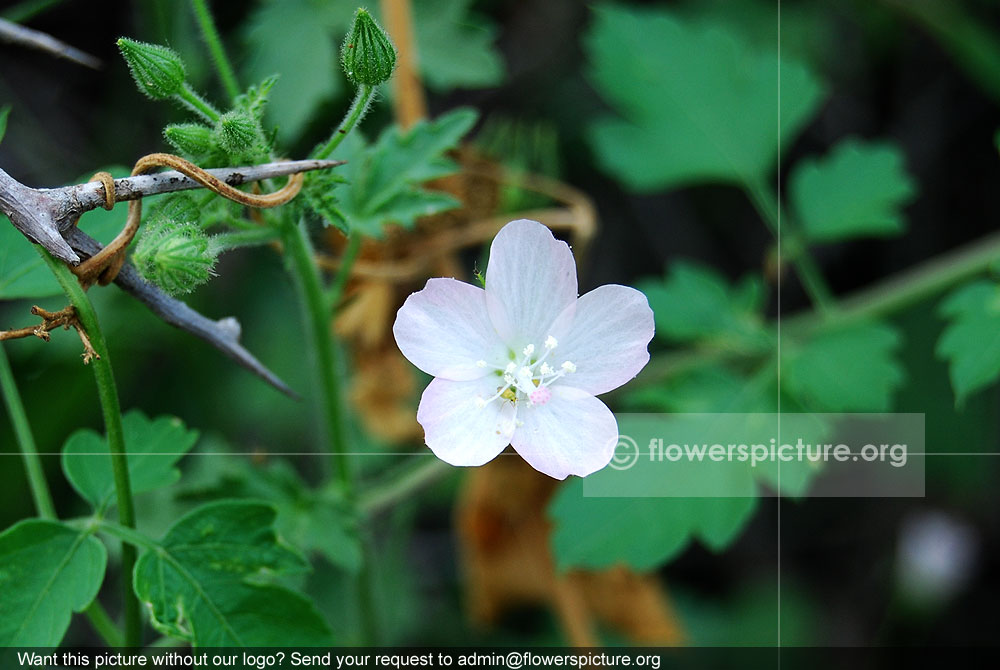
885, 298
403, 486
190, 99
214, 43
128, 535
107, 392
769, 209
22, 431
318, 316
344, 271
244, 238
354, 114
910, 287
103, 625
299, 252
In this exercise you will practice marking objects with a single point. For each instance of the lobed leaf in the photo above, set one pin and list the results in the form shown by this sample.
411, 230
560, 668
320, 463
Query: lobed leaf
971, 341
696, 103
205, 582
849, 369
695, 303
153, 447
643, 533
385, 179
858, 189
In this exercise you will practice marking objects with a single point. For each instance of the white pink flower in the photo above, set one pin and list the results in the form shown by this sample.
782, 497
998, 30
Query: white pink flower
521, 362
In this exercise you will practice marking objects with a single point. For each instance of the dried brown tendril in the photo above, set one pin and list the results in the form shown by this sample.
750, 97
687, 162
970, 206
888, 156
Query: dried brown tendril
104, 266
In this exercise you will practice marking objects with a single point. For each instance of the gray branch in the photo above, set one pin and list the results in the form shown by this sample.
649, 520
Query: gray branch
18, 34
44, 215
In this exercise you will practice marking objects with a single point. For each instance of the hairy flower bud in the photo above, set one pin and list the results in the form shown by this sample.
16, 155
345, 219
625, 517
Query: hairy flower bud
158, 71
192, 139
176, 257
367, 54
237, 133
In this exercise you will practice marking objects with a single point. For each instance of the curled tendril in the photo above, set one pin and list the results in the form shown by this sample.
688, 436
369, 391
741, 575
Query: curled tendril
104, 266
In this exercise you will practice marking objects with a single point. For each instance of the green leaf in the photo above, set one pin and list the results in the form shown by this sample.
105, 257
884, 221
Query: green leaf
4, 113
971, 341
858, 189
205, 582
47, 572
154, 447
695, 303
385, 179
640, 532
850, 369
456, 47
315, 521
23, 273
697, 103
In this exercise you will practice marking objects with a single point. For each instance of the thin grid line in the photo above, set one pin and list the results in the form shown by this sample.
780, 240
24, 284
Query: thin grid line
778, 499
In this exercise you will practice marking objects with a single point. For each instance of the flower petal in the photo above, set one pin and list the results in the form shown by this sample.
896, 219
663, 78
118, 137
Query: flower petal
456, 429
574, 433
445, 330
530, 280
612, 327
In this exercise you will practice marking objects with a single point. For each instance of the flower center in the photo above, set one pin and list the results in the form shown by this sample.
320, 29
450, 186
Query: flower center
527, 376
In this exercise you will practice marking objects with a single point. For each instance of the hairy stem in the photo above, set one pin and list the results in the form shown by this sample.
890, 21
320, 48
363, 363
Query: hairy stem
250, 237
210, 34
190, 99
809, 274
107, 392
362, 101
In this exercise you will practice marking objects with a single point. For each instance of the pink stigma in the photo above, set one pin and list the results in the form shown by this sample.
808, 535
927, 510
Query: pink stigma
540, 396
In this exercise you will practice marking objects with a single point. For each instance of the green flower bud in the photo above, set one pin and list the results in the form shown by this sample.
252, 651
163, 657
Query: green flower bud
237, 133
367, 54
176, 257
192, 139
158, 71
